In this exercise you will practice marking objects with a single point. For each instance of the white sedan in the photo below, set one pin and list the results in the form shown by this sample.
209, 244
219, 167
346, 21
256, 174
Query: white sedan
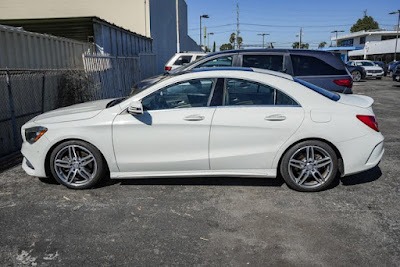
209, 122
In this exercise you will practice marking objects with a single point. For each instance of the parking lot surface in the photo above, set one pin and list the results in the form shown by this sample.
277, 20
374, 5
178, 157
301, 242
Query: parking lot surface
208, 221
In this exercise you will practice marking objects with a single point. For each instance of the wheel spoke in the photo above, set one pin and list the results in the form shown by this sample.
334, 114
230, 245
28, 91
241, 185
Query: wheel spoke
310, 153
317, 176
322, 162
86, 160
302, 177
62, 164
73, 176
84, 174
297, 164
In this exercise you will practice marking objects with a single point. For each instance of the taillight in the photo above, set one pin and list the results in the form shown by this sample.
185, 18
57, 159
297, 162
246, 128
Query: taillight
369, 121
344, 82
167, 68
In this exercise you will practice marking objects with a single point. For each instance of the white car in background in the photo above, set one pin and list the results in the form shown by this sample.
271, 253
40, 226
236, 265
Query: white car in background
210, 122
372, 69
180, 59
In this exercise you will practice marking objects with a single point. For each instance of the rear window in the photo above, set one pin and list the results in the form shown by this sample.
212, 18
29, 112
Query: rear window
183, 60
319, 90
310, 66
269, 62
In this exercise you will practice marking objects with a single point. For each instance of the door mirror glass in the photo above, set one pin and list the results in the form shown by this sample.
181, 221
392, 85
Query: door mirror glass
135, 108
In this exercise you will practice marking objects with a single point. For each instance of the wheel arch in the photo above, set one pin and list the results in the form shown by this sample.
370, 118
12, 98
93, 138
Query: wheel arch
337, 152
47, 159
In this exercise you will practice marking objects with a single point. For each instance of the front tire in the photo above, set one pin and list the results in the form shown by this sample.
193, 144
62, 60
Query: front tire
309, 166
77, 164
356, 76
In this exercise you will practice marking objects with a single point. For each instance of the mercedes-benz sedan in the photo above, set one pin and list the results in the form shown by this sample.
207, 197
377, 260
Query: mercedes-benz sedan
210, 122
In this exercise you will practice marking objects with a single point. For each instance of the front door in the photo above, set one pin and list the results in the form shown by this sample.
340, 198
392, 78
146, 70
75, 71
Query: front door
171, 135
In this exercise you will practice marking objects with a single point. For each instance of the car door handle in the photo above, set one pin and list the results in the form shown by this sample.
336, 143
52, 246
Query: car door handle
194, 118
275, 117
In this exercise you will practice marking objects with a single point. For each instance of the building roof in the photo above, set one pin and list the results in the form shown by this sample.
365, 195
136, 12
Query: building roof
77, 28
341, 48
364, 33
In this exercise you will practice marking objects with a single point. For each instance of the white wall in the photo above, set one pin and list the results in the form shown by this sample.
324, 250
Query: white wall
132, 15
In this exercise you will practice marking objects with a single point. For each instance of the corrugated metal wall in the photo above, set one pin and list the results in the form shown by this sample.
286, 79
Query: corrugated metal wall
116, 41
20, 49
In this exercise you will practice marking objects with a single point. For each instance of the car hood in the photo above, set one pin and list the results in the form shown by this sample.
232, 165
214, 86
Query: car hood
76, 112
361, 101
372, 68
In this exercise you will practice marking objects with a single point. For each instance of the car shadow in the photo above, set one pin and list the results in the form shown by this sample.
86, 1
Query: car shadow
196, 181
362, 178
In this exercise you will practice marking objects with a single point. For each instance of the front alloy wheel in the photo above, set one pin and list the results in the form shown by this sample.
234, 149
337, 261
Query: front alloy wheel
309, 166
76, 164
356, 76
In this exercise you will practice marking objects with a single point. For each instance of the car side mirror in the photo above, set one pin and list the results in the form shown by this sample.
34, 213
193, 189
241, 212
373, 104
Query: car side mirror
135, 108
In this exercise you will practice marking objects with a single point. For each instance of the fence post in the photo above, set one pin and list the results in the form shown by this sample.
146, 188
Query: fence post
12, 110
43, 90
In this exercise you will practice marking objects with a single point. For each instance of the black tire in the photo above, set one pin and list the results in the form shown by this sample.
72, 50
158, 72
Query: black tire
85, 174
314, 180
379, 78
357, 76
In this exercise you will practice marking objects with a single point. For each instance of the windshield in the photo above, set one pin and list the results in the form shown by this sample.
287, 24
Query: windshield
365, 63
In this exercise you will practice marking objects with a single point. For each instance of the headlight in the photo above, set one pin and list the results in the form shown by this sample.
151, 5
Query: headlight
33, 134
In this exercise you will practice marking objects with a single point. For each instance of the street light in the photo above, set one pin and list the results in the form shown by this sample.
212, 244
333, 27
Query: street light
206, 17
263, 35
336, 31
397, 33
208, 39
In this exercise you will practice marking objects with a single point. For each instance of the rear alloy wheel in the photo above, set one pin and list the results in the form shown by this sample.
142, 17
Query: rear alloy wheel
356, 76
77, 164
309, 166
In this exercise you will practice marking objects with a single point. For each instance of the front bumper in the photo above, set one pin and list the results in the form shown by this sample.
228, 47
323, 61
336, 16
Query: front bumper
362, 154
35, 157
374, 75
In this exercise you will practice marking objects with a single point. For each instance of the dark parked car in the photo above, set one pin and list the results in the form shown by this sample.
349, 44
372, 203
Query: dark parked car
396, 74
358, 72
391, 67
383, 65
324, 69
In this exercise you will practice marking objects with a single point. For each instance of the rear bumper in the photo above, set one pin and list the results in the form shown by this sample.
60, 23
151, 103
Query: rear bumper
362, 154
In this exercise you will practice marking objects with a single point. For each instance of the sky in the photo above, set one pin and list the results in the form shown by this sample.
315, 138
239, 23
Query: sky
283, 19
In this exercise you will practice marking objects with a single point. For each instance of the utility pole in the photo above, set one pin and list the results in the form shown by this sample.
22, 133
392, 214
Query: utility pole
177, 27
300, 35
208, 39
263, 35
206, 17
336, 32
397, 32
205, 35
237, 26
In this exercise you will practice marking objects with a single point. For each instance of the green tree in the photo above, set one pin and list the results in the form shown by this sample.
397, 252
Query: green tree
322, 45
240, 41
364, 24
214, 47
226, 47
303, 45
232, 39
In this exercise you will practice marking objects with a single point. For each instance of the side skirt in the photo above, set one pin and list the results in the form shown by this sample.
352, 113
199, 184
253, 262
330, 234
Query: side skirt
260, 173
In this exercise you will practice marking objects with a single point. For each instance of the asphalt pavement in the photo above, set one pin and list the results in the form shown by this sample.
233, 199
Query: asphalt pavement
211, 222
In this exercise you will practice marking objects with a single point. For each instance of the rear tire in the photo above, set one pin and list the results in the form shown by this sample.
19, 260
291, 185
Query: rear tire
309, 166
77, 164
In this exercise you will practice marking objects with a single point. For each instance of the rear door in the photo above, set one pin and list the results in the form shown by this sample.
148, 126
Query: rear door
253, 123
324, 70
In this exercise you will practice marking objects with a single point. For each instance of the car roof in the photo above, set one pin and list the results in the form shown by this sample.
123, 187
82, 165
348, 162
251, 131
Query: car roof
297, 51
256, 70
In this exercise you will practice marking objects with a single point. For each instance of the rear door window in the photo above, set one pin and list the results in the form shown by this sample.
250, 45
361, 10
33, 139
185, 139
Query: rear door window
269, 62
183, 60
312, 66
225, 61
